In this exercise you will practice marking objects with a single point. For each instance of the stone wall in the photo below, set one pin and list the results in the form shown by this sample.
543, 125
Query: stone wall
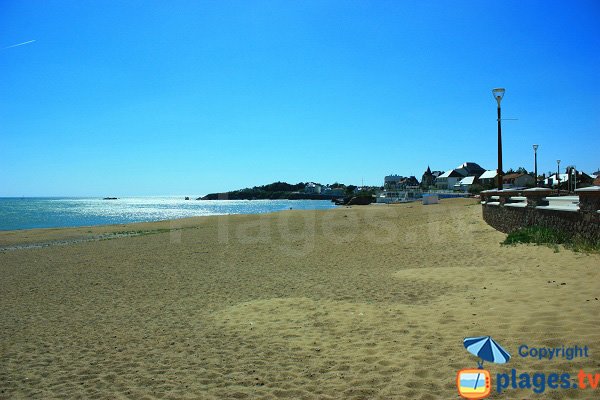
582, 221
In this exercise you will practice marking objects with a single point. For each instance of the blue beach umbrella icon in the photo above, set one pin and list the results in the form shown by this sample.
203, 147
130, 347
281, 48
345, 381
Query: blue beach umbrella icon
487, 349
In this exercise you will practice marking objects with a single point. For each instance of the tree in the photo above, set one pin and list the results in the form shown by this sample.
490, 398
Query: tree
522, 170
476, 188
350, 190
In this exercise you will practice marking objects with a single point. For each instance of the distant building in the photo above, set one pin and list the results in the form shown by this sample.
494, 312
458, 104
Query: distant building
567, 181
448, 179
427, 180
470, 169
552, 180
392, 181
488, 178
411, 181
465, 183
397, 182
312, 188
578, 178
518, 180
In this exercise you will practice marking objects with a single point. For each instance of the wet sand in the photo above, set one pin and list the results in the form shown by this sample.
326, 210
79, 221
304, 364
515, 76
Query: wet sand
354, 303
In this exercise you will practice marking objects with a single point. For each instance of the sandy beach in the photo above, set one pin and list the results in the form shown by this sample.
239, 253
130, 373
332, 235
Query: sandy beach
367, 302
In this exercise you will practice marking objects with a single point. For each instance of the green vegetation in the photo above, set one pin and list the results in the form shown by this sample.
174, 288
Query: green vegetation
550, 237
363, 193
477, 188
275, 191
280, 187
519, 170
350, 190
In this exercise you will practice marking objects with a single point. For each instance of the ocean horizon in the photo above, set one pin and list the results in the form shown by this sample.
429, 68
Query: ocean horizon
18, 213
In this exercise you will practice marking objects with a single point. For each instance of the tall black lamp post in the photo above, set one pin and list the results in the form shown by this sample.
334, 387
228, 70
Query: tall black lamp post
498, 95
535, 147
558, 175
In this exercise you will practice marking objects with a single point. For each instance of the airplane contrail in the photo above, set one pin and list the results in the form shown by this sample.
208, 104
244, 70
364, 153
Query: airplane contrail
20, 44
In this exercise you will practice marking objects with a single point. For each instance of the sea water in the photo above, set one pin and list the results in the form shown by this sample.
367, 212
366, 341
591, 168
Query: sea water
38, 212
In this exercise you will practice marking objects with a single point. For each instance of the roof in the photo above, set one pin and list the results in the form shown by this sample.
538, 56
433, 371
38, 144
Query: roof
393, 178
513, 176
450, 173
469, 169
468, 165
489, 174
467, 180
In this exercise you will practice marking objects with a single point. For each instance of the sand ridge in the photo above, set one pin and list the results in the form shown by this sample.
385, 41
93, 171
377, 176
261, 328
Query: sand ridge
354, 303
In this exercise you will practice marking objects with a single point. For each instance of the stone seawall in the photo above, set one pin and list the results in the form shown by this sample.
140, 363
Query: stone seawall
507, 211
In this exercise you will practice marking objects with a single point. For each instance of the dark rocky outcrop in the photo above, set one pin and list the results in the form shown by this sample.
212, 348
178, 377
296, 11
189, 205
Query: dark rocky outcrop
258, 195
360, 201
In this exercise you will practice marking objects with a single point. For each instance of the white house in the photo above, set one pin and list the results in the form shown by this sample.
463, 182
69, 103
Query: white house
465, 183
312, 188
488, 177
448, 179
553, 182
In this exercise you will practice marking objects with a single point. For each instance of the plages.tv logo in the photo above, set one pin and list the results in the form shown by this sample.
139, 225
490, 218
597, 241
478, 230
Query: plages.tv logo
476, 383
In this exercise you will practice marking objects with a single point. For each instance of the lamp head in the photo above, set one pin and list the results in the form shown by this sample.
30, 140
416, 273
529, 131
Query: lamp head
535, 147
498, 94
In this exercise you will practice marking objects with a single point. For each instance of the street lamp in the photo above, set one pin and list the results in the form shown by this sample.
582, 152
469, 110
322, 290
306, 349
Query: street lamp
535, 147
498, 95
558, 175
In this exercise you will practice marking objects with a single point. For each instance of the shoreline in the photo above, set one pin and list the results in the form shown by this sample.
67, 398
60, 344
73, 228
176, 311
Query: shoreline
60, 213
90, 233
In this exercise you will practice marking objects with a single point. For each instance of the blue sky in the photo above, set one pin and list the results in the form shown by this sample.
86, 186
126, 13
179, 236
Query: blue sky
191, 97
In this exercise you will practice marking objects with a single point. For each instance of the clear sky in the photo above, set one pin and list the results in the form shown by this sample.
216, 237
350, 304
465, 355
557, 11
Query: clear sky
191, 97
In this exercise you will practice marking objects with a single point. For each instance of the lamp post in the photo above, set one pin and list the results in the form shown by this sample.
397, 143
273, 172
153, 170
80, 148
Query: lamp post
535, 147
498, 95
574, 174
558, 175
